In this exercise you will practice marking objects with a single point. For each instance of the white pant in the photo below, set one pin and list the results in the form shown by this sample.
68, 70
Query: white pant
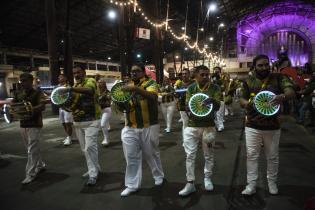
219, 116
30, 137
229, 110
184, 118
137, 143
168, 112
87, 133
254, 139
192, 136
106, 114
65, 117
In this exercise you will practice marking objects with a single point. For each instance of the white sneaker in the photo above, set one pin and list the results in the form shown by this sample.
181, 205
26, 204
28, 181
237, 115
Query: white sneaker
158, 182
220, 129
127, 191
208, 184
273, 189
249, 190
105, 143
188, 189
28, 179
67, 141
167, 130
85, 175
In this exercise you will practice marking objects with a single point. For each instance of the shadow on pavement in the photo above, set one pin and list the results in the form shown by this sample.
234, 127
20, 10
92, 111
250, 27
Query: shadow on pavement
44, 180
106, 182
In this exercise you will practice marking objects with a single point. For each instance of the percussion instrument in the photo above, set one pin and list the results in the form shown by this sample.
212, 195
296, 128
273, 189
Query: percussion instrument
199, 106
17, 111
62, 98
120, 97
262, 103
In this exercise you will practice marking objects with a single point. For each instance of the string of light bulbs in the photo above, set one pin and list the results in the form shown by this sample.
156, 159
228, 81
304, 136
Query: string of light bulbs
168, 28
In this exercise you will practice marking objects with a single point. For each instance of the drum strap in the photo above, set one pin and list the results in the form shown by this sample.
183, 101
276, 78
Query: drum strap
263, 85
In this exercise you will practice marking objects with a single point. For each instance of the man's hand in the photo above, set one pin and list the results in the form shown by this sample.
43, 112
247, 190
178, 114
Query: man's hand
277, 99
129, 88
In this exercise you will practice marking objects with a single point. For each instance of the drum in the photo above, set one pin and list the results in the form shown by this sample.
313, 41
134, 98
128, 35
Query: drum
198, 107
62, 98
262, 103
17, 111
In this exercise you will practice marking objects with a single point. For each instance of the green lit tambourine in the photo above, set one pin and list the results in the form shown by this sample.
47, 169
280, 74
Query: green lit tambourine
262, 103
197, 107
59, 97
118, 95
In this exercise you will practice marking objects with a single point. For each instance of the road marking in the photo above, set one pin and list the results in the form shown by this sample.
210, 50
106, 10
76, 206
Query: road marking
8, 156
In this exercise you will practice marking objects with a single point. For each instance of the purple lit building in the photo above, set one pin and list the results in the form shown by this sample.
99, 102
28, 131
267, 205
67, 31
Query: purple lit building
288, 24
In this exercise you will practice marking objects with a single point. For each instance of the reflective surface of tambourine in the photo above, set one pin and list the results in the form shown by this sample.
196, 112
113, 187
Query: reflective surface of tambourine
59, 97
17, 111
197, 107
118, 95
262, 103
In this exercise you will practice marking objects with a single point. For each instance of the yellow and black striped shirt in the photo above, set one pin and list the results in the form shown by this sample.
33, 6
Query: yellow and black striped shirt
143, 112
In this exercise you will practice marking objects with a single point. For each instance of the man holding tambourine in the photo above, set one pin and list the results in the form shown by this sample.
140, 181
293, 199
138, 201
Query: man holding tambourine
261, 97
202, 101
86, 113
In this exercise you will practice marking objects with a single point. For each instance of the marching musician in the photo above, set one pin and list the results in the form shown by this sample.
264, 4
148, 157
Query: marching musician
181, 96
219, 115
31, 128
65, 116
168, 104
140, 136
200, 129
86, 116
260, 129
105, 102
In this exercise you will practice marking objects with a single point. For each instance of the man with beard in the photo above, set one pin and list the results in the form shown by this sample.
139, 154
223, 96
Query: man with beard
140, 136
86, 116
261, 129
200, 129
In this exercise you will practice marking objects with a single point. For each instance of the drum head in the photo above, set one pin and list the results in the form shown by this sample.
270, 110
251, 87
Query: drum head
118, 95
58, 98
262, 103
6, 113
197, 107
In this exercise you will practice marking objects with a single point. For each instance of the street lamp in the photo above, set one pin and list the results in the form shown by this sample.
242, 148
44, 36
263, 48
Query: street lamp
138, 55
111, 14
186, 48
212, 7
221, 25
210, 38
109, 58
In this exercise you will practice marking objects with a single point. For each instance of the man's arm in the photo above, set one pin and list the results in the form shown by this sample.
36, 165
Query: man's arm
151, 95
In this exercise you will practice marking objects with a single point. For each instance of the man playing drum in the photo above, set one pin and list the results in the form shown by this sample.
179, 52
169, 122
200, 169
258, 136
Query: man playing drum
200, 129
261, 129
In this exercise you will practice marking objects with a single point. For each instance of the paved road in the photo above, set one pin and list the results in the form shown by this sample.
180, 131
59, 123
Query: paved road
61, 186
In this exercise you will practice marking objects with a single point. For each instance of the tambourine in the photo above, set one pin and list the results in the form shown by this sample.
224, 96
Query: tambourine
198, 107
262, 103
64, 99
118, 95
17, 111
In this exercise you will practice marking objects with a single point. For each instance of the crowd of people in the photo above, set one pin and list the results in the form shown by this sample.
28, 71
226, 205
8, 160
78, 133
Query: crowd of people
90, 112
